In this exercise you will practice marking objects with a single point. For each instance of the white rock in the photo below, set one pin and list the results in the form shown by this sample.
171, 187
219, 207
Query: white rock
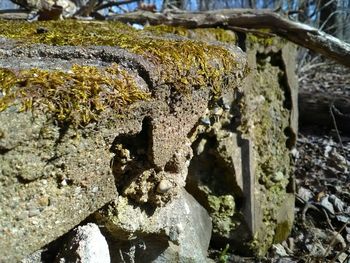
337, 203
305, 194
326, 204
179, 231
87, 245
343, 258
295, 153
279, 250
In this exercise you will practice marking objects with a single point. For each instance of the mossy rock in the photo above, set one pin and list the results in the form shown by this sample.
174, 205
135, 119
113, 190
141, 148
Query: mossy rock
71, 90
249, 159
180, 62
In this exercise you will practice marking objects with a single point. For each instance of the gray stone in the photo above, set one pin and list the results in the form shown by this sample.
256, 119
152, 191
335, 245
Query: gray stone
52, 178
85, 245
35, 257
179, 231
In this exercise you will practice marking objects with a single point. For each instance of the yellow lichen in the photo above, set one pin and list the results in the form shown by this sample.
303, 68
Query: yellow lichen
282, 231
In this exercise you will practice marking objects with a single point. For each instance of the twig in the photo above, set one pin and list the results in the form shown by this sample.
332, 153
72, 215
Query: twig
310, 65
338, 135
313, 206
333, 240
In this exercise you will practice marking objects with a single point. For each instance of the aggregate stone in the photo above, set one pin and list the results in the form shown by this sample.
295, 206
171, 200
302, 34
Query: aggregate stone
86, 245
180, 231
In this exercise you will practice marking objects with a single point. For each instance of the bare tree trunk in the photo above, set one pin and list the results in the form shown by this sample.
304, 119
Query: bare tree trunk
204, 5
328, 16
173, 3
87, 9
303, 15
251, 3
298, 33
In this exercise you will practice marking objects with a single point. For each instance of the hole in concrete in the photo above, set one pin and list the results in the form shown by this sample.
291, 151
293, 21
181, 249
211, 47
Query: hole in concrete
209, 171
138, 144
242, 40
132, 155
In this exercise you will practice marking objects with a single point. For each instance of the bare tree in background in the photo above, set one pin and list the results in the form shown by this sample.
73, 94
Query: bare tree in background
178, 4
331, 16
328, 16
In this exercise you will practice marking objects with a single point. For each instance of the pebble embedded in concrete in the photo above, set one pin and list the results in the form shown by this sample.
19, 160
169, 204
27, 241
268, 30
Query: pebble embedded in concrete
164, 186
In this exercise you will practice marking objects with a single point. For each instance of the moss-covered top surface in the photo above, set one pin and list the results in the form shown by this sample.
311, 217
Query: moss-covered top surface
76, 97
186, 62
183, 64
265, 38
216, 34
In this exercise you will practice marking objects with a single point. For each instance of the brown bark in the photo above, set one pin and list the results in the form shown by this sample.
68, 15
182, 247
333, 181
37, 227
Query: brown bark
14, 14
87, 9
298, 33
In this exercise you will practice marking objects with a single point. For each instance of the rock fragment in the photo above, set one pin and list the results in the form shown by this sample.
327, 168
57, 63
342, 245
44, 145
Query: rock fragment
86, 245
180, 231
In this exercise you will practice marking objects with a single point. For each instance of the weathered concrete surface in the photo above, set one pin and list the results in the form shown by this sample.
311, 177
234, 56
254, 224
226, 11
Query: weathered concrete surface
271, 122
241, 170
48, 183
53, 175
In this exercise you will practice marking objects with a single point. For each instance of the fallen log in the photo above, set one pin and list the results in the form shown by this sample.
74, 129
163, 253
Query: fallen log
315, 109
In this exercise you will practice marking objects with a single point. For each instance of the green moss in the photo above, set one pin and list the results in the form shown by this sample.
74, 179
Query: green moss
265, 120
258, 246
282, 231
220, 34
204, 34
263, 38
76, 97
161, 30
67, 32
224, 257
183, 63
222, 210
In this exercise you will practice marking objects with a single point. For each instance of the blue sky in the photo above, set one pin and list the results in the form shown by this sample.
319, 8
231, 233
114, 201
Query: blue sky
6, 4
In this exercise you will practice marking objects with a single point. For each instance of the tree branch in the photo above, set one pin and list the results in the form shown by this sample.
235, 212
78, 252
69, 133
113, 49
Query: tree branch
298, 33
